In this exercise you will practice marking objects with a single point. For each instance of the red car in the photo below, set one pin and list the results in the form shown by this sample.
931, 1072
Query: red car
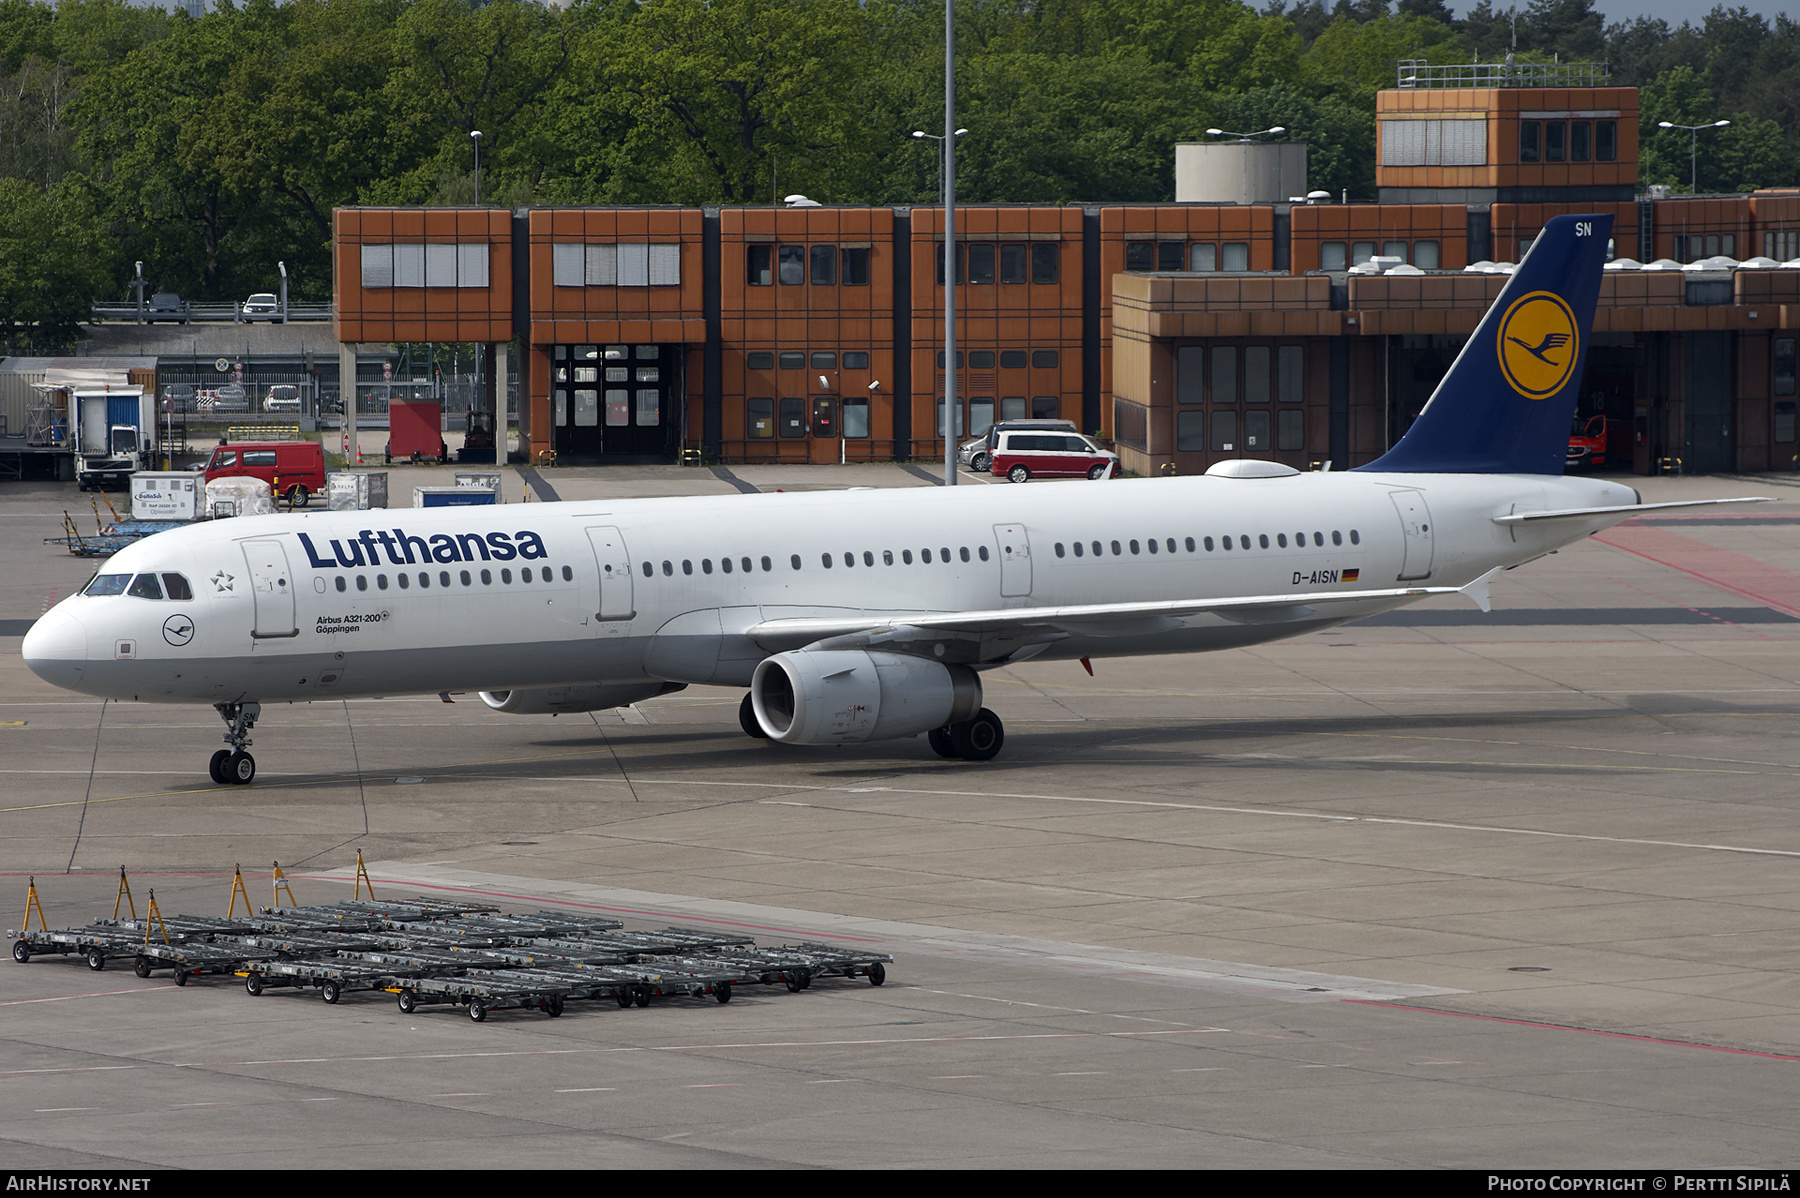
1587, 443
1025, 455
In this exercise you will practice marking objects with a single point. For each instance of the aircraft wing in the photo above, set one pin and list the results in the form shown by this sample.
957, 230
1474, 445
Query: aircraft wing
1624, 513
1093, 619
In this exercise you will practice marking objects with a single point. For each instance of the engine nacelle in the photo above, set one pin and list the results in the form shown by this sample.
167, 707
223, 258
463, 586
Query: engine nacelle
561, 700
841, 696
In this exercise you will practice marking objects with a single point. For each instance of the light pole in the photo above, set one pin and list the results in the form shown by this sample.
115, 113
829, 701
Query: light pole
947, 197
1247, 136
939, 138
1693, 132
475, 136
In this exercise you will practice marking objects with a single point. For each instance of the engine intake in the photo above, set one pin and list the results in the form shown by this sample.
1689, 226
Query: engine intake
559, 700
842, 696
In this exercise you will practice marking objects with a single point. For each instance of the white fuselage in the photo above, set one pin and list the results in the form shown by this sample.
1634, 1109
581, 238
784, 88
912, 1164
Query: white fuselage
323, 605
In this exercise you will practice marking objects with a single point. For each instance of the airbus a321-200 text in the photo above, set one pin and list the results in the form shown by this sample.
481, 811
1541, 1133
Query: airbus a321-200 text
860, 615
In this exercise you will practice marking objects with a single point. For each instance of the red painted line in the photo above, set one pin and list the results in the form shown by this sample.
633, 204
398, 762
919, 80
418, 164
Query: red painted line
1709, 564
1586, 1031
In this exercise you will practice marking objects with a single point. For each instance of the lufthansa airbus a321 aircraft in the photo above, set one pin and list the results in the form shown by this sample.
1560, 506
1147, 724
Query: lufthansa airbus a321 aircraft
860, 615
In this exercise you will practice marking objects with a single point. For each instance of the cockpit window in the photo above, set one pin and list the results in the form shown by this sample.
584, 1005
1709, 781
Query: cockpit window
145, 586
107, 584
177, 587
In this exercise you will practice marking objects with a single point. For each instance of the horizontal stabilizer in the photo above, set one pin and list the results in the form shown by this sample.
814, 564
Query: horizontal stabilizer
1623, 513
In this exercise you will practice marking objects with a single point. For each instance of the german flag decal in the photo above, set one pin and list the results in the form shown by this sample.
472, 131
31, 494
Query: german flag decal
1350, 575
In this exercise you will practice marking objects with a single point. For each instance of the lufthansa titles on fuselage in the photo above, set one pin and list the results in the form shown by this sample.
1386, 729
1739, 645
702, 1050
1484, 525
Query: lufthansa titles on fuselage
405, 549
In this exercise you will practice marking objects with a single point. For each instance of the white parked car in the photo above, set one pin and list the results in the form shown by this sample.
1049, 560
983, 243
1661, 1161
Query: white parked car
261, 306
282, 397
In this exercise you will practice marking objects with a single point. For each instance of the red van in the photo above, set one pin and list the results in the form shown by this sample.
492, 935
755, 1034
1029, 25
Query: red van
292, 468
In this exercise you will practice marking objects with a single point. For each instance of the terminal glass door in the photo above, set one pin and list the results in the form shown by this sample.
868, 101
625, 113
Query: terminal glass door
615, 402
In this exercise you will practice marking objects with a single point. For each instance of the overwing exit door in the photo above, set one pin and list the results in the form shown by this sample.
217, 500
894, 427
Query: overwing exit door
1415, 526
1015, 559
615, 574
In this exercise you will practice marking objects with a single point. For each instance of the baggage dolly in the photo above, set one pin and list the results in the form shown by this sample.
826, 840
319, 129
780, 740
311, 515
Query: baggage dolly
99, 942
481, 993
330, 978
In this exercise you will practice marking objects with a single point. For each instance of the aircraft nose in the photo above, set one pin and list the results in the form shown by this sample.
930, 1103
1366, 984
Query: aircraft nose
56, 649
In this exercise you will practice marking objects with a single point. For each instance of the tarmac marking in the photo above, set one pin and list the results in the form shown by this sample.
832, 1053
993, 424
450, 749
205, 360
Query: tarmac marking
1586, 1031
22, 1002
1708, 564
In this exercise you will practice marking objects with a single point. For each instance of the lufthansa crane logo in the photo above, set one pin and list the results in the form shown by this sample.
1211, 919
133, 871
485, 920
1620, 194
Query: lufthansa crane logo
1539, 344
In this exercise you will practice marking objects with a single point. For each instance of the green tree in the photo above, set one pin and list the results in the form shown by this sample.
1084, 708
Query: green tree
55, 257
735, 95
1747, 154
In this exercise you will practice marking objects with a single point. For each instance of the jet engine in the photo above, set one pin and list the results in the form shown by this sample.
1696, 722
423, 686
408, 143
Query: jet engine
560, 700
839, 696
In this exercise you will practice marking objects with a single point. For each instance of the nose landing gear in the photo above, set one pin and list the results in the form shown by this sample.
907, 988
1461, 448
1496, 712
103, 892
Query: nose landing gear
233, 766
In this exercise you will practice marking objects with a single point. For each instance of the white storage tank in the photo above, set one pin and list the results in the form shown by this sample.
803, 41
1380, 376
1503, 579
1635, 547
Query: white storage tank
1240, 172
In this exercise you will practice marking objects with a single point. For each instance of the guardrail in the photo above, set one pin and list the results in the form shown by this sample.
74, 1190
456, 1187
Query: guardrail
207, 313
1417, 73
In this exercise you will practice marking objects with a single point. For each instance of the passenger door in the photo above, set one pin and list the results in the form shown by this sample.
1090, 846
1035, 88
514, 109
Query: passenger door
1415, 527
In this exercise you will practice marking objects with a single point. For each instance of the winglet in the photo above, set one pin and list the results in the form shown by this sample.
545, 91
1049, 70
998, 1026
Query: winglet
1477, 591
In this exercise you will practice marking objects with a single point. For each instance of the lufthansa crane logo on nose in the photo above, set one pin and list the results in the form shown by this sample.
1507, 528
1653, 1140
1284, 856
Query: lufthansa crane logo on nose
1539, 344
178, 630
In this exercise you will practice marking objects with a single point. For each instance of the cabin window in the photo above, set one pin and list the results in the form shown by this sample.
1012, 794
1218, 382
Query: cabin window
487, 578
340, 583
381, 582
467, 581
403, 580
506, 575
1059, 549
1355, 537
796, 560
362, 582
648, 569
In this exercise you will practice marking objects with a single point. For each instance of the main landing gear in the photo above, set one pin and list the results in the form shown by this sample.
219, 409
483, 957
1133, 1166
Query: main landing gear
233, 766
976, 739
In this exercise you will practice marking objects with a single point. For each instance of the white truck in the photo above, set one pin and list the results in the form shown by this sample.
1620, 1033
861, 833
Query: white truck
113, 435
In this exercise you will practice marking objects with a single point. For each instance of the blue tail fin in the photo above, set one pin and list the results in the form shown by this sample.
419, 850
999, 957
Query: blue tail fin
1506, 405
